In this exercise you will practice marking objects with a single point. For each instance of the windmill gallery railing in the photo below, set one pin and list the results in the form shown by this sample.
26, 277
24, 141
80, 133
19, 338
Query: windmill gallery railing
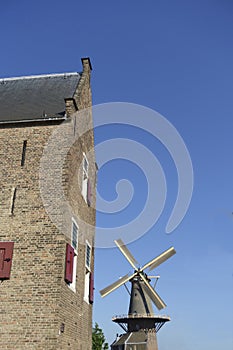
157, 320
140, 316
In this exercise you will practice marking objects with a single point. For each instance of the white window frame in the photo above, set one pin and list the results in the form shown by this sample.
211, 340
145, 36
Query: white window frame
86, 286
88, 267
72, 285
87, 274
85, 170
74, 224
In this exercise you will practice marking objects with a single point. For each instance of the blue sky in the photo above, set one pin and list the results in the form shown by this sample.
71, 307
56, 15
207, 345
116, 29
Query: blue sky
174, 57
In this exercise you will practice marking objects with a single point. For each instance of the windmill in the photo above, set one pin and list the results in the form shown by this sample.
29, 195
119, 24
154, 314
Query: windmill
141, 324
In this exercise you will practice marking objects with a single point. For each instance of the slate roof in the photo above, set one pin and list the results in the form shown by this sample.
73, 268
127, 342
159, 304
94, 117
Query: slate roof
39, 97
138, 338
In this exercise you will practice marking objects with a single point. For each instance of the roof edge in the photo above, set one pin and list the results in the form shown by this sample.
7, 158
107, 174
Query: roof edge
39, 76
32, 120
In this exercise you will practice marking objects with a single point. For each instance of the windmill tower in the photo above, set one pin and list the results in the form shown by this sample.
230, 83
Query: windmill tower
141, 324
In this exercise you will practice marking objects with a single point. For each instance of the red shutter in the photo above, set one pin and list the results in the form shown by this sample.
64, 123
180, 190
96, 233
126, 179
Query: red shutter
88, 192
69, 263
91, 286
6, 253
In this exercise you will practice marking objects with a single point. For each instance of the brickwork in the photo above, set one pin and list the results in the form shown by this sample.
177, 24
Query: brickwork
38, 310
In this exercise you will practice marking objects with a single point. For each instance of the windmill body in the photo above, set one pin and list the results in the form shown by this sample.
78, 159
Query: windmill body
140, 324
140, 303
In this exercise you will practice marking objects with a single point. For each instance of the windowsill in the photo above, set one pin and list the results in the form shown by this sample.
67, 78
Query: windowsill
86, 300
84, 198
71, 287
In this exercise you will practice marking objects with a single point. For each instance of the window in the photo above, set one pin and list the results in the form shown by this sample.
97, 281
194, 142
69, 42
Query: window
74, 237
88, 256
87, 282
85, 164
12, 203
85, 177
72, 285
91, 288
24, 152
86, 286
86, 184
74, 245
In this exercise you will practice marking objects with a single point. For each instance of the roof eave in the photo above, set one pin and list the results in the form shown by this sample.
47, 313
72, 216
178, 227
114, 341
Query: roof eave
32, 120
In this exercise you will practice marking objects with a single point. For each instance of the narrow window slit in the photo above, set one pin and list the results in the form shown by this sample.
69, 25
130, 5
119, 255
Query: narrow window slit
12, 204
24, 152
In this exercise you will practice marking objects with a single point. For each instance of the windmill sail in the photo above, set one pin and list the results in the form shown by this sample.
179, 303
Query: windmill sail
125, 251
140, 278
152, 294
115, 285
159, 259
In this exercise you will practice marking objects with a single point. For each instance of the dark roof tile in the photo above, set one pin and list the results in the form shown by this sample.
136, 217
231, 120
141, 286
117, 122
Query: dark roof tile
39, 97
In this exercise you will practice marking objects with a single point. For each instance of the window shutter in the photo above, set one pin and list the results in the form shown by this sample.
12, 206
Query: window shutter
88, 192
6, 254
69, 263
91, 288
84, 189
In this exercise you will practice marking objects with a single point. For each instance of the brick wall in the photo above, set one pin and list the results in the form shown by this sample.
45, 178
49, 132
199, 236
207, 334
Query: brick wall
38, 310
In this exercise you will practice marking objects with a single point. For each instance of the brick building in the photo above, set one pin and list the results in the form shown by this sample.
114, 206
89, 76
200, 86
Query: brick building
46, 250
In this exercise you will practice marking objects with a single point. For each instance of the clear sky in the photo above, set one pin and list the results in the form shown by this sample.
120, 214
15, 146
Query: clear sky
175, 57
